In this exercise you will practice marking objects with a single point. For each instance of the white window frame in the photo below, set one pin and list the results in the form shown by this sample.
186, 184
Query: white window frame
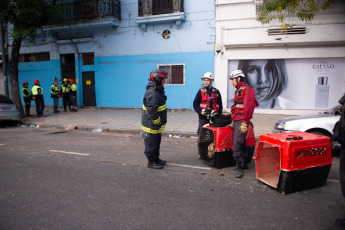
184, 72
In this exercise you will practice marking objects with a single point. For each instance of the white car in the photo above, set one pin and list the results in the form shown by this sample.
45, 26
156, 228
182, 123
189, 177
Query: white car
321, 124
8, 110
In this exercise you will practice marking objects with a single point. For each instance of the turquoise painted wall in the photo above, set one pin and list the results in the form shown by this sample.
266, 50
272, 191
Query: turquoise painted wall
120, 81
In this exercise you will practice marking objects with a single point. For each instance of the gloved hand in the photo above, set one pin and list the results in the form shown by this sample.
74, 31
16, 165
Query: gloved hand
213, 113
231, 125
203, 112
243, 128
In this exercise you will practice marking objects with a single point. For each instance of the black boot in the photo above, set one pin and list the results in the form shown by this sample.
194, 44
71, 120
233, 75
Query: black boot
238, 171
160, 161
244, 164
154, 165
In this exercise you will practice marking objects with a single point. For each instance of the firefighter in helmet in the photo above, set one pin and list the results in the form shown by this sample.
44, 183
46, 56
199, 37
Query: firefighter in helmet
65, 90
27, 96
154, 117
37, 96
241, 113
202, 100
73, 95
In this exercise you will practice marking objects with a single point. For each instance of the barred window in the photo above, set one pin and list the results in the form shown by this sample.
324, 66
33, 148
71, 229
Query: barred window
34, 57
175, 73
88, 59
157, 7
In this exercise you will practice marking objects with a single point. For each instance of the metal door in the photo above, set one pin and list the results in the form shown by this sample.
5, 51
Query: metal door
89, 91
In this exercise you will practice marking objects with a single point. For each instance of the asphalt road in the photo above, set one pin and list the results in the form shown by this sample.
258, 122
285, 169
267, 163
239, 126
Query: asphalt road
53, 179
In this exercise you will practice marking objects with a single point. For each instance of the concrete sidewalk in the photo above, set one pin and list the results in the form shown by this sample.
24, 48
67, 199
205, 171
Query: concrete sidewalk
180, 122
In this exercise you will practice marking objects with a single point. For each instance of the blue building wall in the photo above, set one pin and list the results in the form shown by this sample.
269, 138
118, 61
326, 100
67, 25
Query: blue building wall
124, 57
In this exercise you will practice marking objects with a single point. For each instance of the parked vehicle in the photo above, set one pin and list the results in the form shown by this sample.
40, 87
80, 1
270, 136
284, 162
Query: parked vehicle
321, 124
8, 110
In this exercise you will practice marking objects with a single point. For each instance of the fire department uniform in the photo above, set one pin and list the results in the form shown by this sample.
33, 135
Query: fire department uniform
37, 92
65, 88
27, 96
241, 112
54, 93
202, 101
153, 120
73, 97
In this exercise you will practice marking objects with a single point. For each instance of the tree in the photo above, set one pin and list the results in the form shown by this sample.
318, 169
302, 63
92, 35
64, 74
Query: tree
283, 9
26, 16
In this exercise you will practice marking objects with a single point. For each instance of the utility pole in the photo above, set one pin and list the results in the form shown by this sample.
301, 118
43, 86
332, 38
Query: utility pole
4, 56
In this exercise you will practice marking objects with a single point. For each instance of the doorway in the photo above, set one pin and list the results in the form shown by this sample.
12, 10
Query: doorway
67, 66
89, 91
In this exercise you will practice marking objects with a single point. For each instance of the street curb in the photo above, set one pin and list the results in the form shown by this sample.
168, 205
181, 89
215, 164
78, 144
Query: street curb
106, 130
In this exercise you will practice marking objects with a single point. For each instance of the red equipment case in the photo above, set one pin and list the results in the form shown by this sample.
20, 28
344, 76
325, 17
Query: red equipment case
223, 139
293, 161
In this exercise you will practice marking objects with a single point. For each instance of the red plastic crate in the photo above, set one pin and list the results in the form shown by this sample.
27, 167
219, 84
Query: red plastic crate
293, 161
224, 138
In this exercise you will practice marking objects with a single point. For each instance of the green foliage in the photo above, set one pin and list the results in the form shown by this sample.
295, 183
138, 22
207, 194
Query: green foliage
28, 15
282, 9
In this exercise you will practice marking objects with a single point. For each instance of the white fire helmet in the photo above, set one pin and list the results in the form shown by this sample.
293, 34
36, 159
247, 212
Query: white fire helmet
236, 74
208, 75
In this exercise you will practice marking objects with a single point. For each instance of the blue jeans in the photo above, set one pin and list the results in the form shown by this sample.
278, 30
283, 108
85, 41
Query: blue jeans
56, 103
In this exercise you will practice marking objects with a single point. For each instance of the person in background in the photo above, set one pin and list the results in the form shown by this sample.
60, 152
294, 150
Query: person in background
37, 96
65, 89
154, 117
241, 113
341, 140
73, 95
54, 93
202, 100
27, 96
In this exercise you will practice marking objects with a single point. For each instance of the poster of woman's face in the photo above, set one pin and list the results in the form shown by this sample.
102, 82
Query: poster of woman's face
292, 83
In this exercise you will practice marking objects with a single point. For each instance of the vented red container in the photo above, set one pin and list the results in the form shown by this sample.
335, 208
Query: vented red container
224, 138
293, 161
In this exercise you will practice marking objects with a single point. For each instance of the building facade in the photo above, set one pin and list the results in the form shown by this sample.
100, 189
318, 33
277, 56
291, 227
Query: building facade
301, 68
109, 47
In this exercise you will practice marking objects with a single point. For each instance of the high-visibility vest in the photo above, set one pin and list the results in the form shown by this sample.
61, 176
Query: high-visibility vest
28, 90
65, 88
37, 90
205, 99
238, 106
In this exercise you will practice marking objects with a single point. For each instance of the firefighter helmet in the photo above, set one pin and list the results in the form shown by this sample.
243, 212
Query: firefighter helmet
71, 80
158, 75
36, 82
25, 83
208, 75
65, 79
236, 74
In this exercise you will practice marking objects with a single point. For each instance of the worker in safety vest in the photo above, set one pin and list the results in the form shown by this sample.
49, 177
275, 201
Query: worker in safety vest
65, 90
206, 97
27, 96
37, 96
241, 113
154, 117
54, 93
73, 95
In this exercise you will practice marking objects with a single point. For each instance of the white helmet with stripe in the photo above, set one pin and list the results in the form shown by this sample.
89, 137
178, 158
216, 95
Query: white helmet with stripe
236, 74
208, 75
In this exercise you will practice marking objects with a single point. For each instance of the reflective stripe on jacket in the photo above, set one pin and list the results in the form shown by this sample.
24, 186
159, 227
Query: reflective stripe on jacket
205, 99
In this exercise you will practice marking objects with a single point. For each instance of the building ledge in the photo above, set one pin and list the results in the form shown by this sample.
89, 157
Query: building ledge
162, 18
76, 30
